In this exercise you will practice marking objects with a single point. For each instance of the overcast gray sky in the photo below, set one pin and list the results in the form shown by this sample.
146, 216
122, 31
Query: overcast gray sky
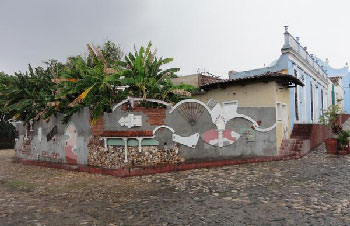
218, 35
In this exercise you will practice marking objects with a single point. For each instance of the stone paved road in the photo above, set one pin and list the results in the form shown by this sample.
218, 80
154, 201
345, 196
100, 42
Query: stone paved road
314, 190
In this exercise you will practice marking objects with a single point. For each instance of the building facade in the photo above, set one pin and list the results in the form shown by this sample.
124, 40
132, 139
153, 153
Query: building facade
265, 92
307, 102
341, 78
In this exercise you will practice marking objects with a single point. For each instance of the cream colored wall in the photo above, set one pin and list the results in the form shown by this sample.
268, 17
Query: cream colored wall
339, 95
282, 96
253, 95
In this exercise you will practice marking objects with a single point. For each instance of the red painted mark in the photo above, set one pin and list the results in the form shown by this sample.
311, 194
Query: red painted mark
212, 137
71, 136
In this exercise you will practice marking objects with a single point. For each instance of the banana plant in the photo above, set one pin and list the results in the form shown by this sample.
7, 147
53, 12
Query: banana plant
90, 82
144, 73
24, 96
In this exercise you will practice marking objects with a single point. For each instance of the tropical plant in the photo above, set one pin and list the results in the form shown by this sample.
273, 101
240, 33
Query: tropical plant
343, 139
92, 82
24, 96
96, 81
145, 77
330, 118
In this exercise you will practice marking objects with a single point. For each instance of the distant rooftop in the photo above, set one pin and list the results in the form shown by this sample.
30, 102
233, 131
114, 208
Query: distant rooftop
331, 72
268, 76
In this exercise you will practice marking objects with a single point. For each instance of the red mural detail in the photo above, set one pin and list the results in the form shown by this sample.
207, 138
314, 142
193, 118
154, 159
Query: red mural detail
212, 137
71, 157
71, 144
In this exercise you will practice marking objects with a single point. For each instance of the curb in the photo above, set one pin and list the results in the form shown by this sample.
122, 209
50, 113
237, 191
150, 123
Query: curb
149, 170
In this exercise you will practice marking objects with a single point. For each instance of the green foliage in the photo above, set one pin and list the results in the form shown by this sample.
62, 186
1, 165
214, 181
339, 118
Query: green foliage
143, 73
330, 118
97, 81
187, 87
24, 96
343, 139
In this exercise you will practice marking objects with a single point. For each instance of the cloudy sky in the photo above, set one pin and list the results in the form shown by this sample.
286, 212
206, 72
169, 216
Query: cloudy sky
215, 35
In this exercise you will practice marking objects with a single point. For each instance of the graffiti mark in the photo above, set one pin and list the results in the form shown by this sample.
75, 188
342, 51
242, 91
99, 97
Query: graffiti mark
50, 157
70, 146
52, 133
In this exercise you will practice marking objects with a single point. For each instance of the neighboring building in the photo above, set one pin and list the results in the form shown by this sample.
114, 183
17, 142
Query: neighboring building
268, 92
307, 102
336, 92
196, 80
342, 74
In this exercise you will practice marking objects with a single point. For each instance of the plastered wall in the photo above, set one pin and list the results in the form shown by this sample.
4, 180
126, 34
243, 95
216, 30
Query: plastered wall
260, 94
55, 141
184, 132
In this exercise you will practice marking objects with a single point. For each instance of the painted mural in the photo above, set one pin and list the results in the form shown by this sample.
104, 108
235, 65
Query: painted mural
134, 137
70, 146
192, 109
220, 115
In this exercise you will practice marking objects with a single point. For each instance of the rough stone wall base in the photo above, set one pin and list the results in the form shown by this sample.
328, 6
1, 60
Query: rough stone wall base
140, 171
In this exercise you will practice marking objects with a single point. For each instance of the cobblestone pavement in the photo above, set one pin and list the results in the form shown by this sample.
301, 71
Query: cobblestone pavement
314, 190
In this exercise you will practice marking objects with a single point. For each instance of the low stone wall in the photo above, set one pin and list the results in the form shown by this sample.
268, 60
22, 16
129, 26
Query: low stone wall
140, 171
344, 117
318, 134
114, 156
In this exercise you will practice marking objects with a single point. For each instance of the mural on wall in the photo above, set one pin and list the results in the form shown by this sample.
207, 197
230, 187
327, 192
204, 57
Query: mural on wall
220, 115
191, 110
212, 137
190, 141
40, 134
131, 121
70, 145
146, 145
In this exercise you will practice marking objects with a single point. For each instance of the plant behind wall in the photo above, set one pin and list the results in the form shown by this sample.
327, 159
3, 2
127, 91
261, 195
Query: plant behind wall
338, 137
96, 81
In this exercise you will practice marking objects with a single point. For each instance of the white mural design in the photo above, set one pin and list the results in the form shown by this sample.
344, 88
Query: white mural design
190, 141
163, 126
220, 115
40, 134
131, 121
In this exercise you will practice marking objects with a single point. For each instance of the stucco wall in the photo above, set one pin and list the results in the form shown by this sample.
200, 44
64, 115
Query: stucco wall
54, 149
282, 97
246, 141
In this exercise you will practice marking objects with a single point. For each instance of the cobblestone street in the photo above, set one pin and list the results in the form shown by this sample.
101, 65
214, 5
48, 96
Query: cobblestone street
314, 190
